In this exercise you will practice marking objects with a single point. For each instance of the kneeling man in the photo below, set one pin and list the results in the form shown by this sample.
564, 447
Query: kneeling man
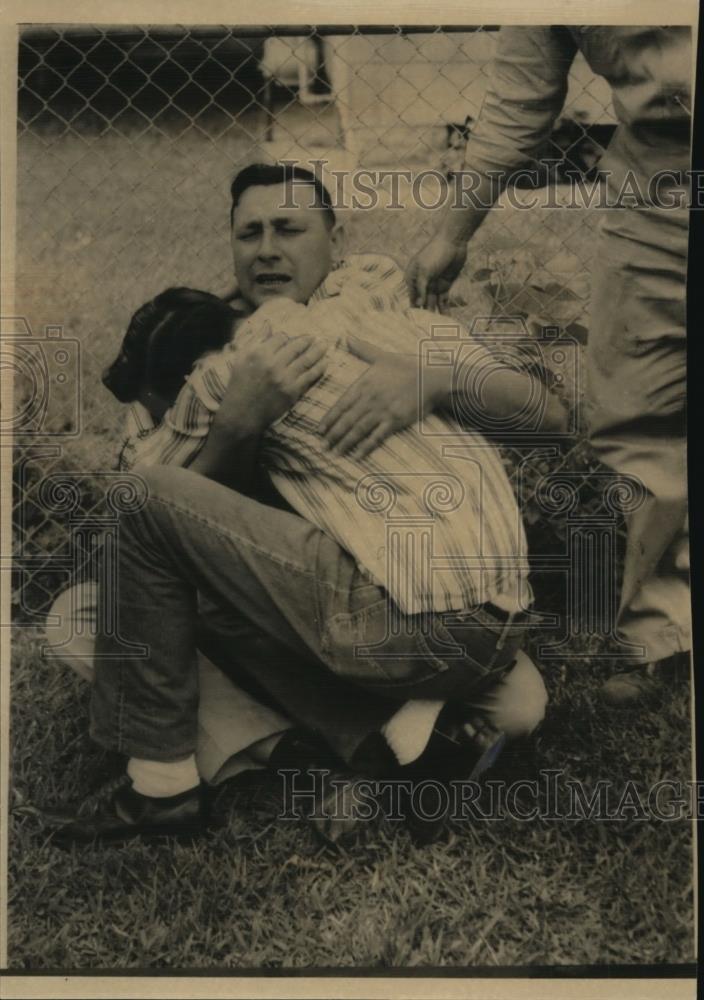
403, 572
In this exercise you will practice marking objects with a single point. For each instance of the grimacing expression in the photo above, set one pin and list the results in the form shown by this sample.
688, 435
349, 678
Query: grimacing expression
282, 244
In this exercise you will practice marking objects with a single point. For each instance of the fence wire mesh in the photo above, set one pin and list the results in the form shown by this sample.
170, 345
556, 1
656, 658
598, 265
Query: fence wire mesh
127, 141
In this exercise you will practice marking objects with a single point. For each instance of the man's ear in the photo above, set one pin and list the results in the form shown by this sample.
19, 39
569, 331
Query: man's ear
337, 242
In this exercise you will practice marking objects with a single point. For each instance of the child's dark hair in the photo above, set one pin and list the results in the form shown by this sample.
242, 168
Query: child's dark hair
165, 338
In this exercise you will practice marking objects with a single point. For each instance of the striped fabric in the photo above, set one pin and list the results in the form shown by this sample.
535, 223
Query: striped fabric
430, 514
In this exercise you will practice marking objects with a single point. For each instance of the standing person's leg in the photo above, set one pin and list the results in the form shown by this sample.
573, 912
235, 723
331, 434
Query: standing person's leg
655, 597
637, 396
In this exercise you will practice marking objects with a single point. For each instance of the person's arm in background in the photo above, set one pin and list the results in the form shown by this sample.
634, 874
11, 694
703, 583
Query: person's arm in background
525, 94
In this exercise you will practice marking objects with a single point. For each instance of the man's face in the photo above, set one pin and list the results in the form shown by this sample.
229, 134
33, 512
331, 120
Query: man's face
281, 243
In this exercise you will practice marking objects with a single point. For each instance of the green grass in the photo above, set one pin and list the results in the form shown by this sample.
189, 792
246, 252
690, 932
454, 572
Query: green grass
104, 224
261, 892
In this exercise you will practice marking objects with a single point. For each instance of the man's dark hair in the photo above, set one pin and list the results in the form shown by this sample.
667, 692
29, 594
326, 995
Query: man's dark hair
268, 174
165, 338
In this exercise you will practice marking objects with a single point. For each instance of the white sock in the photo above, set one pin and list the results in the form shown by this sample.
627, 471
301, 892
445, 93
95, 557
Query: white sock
160, 779
408, 731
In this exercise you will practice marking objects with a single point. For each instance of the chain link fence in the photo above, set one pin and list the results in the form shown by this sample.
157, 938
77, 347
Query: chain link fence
127, 141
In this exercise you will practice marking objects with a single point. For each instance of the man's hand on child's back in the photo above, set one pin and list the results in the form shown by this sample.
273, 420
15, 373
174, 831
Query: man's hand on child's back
270, 373
384, 400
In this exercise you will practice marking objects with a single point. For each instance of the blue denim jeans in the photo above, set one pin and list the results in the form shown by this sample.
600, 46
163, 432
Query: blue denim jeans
268, 573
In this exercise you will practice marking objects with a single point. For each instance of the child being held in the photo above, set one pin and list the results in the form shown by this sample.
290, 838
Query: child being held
164, 339
187, 330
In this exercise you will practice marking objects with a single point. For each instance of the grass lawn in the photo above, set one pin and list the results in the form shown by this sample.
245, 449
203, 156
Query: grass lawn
262, 892
103, 225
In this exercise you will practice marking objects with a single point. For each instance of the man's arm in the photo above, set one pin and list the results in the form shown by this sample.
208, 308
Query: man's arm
269, 374
398, 390
525, 94
229, 455
217, 421
497, 394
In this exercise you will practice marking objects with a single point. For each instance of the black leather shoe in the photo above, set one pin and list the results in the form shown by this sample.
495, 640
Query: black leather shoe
117, 813
301, 750
328, 800
642, 684
462, 747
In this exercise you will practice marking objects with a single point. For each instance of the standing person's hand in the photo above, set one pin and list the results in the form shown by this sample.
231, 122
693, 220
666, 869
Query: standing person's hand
432, 271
